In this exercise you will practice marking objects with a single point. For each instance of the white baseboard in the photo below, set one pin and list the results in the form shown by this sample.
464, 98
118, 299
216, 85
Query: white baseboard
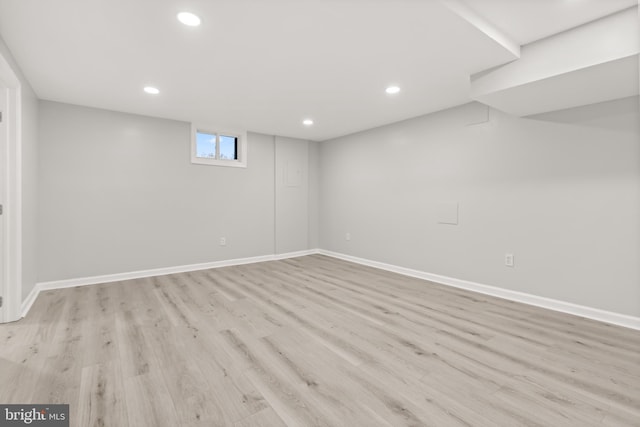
552, 304
295, 254
29, 300
94, 280
548, 303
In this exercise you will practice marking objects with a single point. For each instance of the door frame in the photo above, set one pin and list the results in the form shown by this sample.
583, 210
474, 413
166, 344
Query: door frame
11, 280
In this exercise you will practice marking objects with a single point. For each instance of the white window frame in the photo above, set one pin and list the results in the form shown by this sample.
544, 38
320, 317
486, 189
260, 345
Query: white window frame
240, 162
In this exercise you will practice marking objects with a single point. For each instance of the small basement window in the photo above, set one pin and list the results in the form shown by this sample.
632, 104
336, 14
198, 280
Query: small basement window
209, 147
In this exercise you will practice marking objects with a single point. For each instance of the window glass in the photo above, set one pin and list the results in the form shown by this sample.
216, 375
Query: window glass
205, 145
208, 147
228, 147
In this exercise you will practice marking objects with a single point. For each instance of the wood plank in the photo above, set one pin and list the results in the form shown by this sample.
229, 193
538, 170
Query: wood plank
265, 418
102, 397
314, 341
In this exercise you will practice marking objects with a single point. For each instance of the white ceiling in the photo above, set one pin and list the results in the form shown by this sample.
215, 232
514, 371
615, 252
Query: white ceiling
526, 21
264, 65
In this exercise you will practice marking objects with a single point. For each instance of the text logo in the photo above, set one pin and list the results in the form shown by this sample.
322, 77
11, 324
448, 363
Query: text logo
34, 415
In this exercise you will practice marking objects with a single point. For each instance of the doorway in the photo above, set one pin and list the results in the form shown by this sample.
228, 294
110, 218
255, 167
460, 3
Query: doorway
3, 180
10, 172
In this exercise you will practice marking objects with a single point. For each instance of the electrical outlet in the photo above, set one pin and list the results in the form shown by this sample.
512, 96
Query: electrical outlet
508, 260
347, 236
223, 241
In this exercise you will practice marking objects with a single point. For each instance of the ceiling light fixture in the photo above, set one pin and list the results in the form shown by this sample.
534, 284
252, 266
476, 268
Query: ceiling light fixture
391, 90
151, 90
188, 18
307, 122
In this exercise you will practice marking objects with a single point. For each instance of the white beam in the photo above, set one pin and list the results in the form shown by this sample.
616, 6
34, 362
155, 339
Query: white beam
594, 62
462, 10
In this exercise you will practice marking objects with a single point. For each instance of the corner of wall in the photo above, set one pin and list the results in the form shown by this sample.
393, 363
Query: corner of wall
314, 194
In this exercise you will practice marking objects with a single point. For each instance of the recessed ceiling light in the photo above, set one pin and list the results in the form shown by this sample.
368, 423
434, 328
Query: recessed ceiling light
307, 122
152, 90
188, 18
392, 90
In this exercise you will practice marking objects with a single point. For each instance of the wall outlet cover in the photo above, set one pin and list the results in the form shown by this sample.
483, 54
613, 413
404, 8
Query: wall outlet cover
508, 260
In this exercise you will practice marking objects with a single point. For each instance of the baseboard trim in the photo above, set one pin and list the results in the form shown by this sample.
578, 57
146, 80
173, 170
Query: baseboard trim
624, 320
29, 300
296, 254
627, 321
94, 280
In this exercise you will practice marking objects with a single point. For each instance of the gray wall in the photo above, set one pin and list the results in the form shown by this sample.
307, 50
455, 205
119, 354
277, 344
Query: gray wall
119, 194
292, 198
561, 192
314, 195
29, 175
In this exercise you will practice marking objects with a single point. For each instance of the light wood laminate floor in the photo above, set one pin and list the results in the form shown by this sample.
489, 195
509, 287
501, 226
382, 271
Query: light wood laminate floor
314, 341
